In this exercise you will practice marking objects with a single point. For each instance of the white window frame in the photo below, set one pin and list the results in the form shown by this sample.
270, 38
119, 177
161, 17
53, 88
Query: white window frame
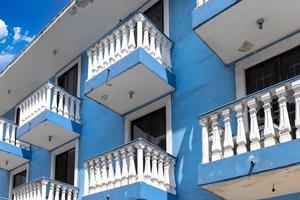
164, 102
166, 14
69, 66
265, 54
66, 147
13, 173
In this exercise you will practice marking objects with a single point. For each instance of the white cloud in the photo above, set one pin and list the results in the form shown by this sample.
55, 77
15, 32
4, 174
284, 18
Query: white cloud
19, 37
5, 59
2, 41
3, 29
9, 48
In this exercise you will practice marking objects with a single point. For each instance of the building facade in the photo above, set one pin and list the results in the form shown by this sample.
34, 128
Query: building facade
156, 100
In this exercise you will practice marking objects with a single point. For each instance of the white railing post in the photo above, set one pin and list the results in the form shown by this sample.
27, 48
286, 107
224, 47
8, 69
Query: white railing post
241, 139
228, 141
205, 140
117, 169
111, 175
13, 134
131, 42
124, 167
90, 63
60, 108
147, 172
118, 53
92, 176
98, 175
124, 46
254, 130
66, 105
63, 192
284, 121
51, 191
139, 29
111, 49
104, 177
1, 129
160, 165
132, 170
216, 141
86, 179
48, 96
44, 188
296, 88
140, 161
269, 131
77, 115
154, 175
7, 134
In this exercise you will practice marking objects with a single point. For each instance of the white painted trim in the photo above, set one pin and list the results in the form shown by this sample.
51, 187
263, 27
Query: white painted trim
71, 145
69, 66
14, 172
164, 102
265, 54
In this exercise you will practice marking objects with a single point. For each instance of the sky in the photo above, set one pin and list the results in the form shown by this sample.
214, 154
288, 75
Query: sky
21, 21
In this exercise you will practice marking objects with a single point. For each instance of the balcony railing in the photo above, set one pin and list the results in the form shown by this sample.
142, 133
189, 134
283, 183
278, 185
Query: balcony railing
134, 162
52, 98
136, 32
217, 132
45, 189
8, 134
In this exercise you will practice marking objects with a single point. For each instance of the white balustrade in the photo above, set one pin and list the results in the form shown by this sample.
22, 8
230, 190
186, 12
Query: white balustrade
138, 161
225, 131
137, 32
52, 98
45, 189
8, 134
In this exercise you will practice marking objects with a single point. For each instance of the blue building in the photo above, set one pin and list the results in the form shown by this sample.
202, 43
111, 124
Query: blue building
156, 100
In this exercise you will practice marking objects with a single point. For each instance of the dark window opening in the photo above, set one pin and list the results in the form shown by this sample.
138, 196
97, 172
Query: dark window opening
65, 167
19, 179
18, 116
151, 127
69, 80
156, 14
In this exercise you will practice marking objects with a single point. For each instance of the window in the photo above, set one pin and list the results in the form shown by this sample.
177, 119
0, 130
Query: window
65, 167
272, 71
19, 179
151, 127
69, 80
156, 14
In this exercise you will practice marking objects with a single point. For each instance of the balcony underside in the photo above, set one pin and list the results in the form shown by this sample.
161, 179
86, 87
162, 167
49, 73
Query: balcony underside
12, 156
226, 25
133, 191
278, 165
48, 124
138, 72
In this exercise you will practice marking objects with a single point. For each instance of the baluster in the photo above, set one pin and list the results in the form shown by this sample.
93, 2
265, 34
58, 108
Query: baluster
44, 100
205, 141
124, 167
77, 115
30, 191
31, 106
13, 134
66, 105
131, 42
75, 194
140, 161
1, 130
172, 176
86, 179
54, 101
92, 177
118, 53
147, 172
154, 175
269, 131
90, 63
106, 53
60, 102
111, 49
39, 190
228, 141
51, 191
95, 59
100, 56
254, 130
25, 111
43, 189
48, 96
98, 175
72, 108
132, 170
216, 143
124, 49
241, 139
63, 192
34, 104
146, 43
69, 193
111, 175
152, 41
167, 57
57, 191
167, 174
104, 173
158, 48
161, 170
296, 88
7, 134
117, 170
284, 122
139, 29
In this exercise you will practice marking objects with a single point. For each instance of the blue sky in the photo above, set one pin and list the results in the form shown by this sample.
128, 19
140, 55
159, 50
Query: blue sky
21, 21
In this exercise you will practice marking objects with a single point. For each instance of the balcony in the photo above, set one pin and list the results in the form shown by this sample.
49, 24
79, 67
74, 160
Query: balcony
45, 189
235, 29
130, 168
130, 66
49, 117
238, 158
13, 152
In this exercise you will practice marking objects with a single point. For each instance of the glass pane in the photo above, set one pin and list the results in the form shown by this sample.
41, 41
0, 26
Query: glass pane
68, 80
151, 127
65, 166
156, 14
290, 64
19, 179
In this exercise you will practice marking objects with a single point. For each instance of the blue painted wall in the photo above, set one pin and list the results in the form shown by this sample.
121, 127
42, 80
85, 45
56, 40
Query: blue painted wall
4, 183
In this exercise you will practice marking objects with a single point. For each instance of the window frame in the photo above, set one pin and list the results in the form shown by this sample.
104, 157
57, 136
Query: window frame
17, 171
